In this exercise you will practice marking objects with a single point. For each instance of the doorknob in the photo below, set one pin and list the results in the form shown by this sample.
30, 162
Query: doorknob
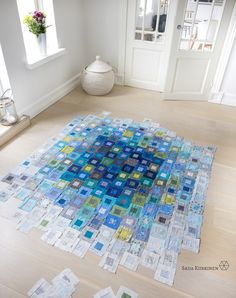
179, 27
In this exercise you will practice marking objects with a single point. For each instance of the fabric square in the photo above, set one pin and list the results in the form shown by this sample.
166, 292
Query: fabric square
69, 212
84, 192
109, 200
46, 170
150, 175
127, 168
123, 202
53, 193
111, 155
127, 192
67, 161
92, 202
114, 192
106, 161
118, 183
75, 183
28, 205
82, 176
78, 224
109, 176
94, 161
131, 183
67, 176
96, 223
101, 168
76, 202
112, 221
88, 168
139, 199
62, 201
123, 176
61, 184
74, 169
136, 175
118, 211
103, 184
135, 210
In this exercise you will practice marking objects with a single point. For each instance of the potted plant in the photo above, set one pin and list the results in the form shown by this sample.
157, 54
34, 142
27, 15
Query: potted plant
36, 23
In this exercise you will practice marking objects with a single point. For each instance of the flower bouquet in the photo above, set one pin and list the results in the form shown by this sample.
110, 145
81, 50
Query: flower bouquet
36, 22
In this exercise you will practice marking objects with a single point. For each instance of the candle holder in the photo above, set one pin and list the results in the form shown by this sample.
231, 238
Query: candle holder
8, 115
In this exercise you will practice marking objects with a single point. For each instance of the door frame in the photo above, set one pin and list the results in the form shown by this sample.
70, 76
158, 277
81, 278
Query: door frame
123, 18
216, 95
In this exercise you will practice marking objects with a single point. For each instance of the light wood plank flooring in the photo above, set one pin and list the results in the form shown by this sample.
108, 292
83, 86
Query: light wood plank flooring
25, 258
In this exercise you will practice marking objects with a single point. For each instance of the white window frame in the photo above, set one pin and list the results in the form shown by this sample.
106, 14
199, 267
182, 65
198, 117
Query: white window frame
33, 56
4, 80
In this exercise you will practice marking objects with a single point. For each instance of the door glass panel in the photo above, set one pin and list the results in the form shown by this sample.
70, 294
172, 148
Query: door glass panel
201, 23
139, 16
151, 17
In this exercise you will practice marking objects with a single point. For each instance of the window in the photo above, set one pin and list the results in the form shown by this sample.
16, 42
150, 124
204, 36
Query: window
4, 81
30, 40
201, 24
151, 17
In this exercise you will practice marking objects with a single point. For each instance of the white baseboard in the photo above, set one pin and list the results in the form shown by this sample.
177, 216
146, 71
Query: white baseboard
216, 97
229, 99
53, 96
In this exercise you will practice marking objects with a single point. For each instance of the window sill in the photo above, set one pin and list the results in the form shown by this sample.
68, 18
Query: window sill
42, 60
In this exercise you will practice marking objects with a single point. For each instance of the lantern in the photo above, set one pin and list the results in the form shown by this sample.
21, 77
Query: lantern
8, 115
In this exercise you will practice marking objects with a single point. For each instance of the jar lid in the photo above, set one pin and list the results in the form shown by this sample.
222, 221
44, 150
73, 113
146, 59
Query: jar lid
98, 66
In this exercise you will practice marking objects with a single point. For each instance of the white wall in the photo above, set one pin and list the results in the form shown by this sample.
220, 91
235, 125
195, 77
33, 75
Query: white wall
33, 89
102, 25
229, 86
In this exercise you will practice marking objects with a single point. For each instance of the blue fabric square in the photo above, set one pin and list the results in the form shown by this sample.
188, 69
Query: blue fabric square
53, 193
88, 234
99, 246
109, 176
67, 176
127, 168
114, 191
82, 176
74, 169
112, 221
131, 183
111, 155
84, 192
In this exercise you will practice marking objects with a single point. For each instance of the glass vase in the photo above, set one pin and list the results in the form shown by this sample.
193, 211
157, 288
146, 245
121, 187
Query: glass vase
42, 44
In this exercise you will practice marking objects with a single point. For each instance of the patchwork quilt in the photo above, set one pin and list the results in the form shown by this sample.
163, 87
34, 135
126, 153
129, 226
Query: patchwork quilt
132, 193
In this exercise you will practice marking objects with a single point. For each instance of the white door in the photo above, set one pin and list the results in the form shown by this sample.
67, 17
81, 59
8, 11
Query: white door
200, 29
150, 25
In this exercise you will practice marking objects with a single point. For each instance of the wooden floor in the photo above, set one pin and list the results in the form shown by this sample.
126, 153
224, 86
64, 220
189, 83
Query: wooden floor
25, 258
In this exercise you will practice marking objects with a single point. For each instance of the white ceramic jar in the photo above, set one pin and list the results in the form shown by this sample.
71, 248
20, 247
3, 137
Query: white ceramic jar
98, 78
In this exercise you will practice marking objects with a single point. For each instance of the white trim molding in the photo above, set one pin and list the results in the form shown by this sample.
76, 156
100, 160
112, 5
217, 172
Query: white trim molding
229, 99
216, 97
50, 98
224, 58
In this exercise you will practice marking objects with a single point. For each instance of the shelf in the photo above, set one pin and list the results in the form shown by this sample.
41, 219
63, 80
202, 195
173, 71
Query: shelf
9, 132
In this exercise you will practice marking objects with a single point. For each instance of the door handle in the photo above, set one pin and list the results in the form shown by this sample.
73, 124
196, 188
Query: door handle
179, 27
